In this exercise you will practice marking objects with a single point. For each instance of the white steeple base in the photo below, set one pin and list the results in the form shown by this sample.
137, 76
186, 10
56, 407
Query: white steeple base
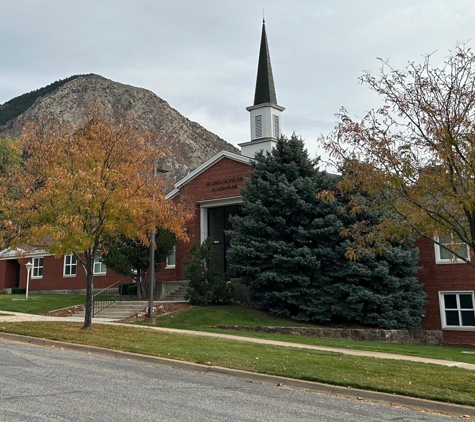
249, 149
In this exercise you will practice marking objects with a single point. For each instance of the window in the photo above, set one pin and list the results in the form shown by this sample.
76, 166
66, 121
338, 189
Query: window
99, 266
259, 126
457, 309
37, 268
276, 127
443, 256
170, 260
70, 265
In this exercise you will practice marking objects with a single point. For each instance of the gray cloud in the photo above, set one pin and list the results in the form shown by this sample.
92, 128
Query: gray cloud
201, 57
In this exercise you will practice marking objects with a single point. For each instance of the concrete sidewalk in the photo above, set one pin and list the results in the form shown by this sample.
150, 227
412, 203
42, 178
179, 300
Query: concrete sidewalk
21, 317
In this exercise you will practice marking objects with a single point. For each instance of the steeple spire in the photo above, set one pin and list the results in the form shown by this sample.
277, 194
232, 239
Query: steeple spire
265, 89
265, 113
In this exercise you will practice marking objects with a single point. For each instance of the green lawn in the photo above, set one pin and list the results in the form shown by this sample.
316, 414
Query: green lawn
200, 319
407, 378
38, 304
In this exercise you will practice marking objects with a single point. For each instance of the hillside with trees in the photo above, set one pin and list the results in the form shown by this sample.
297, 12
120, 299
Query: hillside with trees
20, 104
68, 102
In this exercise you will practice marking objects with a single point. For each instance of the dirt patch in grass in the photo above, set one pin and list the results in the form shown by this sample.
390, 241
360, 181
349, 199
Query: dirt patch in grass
66, 312
158, 310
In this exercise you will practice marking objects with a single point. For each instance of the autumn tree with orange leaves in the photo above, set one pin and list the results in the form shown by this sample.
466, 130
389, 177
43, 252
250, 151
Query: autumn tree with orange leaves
78, 187
414, 157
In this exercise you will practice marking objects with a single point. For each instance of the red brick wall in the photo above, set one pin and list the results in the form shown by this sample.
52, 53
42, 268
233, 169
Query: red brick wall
8, 270
443, 277
11, 268
53, 278
204, 187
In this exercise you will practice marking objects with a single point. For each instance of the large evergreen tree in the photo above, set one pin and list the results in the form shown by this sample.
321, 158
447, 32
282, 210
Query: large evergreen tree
377, 289
273, 243
289, 249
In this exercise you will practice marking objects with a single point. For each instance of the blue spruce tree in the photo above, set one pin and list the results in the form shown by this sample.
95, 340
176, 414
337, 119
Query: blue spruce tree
288, 248
274, 244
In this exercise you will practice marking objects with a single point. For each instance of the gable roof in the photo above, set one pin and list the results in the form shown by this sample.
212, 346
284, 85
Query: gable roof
205, 166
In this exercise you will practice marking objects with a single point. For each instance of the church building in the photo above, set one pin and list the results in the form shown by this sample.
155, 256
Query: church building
212, 192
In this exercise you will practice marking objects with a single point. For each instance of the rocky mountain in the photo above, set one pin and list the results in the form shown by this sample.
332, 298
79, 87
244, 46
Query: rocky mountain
190, 144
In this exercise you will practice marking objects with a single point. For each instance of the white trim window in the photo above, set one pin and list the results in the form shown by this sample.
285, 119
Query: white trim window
37, 268
443, 256
171, 259
70, 266
457, 310
99, 267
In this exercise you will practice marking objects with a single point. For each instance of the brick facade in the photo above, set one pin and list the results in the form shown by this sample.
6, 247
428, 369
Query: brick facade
221, 181
53, 278
443, 277
217, 182
8, 274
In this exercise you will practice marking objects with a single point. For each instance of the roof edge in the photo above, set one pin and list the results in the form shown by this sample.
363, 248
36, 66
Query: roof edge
205, 166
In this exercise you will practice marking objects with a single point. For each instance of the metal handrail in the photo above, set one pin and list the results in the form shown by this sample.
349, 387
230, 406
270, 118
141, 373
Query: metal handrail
111, 292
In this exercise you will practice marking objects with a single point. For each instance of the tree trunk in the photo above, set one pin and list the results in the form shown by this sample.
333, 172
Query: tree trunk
89, 303
88, 267
139, 285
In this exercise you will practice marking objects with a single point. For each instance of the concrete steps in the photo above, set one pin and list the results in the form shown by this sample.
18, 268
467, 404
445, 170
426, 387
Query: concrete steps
125, 309
178, 295
121, 310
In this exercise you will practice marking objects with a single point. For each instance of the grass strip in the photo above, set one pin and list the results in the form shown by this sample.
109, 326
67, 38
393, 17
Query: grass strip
199, 319
39, 304
407, 378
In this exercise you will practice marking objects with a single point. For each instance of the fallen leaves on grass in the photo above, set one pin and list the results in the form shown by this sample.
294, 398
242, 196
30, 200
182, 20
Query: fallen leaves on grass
157, 311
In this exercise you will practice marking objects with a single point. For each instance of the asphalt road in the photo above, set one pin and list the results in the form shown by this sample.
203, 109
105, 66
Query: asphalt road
53, 385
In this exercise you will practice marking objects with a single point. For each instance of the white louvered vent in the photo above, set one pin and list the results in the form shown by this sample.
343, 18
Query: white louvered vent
259, 126
276, 127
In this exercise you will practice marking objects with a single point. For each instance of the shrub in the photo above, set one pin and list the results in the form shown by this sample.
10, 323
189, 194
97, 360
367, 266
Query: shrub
18, 291
124, 288
132, 290
205, 287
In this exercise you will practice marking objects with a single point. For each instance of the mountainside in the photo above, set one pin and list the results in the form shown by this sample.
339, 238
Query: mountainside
190, 144
20, 104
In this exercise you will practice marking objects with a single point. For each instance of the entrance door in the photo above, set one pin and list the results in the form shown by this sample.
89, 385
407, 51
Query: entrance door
218, 223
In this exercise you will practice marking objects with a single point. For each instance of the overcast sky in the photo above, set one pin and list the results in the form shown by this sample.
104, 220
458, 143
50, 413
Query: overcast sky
201, 56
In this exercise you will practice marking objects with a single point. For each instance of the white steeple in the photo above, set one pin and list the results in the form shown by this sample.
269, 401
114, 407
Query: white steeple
265, 113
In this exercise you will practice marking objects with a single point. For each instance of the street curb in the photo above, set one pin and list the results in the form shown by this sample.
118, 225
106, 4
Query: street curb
334, 390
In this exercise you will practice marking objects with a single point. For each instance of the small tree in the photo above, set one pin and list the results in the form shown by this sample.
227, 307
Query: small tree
81, 186
129, 257
205, 286
415, 156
